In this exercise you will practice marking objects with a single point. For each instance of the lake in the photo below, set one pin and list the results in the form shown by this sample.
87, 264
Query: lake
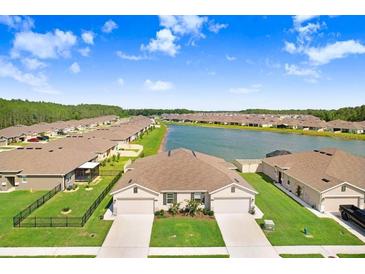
248, 144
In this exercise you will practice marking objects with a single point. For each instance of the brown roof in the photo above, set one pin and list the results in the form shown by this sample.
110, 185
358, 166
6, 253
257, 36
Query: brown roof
181, 170
43, 161
323, 169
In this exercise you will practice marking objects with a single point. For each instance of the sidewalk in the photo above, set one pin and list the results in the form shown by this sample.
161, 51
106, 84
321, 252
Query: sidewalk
325, 250
48, 251
186, 251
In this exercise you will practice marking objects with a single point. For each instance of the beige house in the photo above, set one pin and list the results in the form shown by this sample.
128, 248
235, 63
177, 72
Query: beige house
325, 178
156, 182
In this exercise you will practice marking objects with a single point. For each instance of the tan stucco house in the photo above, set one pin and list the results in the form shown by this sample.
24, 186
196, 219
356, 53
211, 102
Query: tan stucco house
156, 182
324, 178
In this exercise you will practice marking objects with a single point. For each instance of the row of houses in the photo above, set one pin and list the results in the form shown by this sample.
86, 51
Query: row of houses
324, 178
67, 160
21, 133
303, 122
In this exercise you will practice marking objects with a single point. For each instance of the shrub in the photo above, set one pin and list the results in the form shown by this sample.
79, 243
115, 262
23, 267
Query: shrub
160, 213
69, 187
66, 209
192, 207
174, 209
118, 156
113, 158
208, 212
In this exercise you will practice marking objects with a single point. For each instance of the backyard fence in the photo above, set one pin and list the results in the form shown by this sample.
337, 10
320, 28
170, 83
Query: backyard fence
18, 218
65, 221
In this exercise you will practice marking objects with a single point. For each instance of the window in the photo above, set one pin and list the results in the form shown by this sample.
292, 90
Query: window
233, 189
343, 188
288, 182
198, 196
170, 198
135, 190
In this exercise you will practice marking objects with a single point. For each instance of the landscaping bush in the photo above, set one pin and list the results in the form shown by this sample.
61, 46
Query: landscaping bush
192, 207
160, 213
208, 212
66, 209
174, 209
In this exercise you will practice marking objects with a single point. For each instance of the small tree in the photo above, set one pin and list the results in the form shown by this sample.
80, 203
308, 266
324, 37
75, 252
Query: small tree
192, 207
113, 158
118, 156
174, 209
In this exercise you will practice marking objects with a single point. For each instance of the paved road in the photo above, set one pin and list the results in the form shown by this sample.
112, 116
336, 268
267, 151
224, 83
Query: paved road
243, 237
129, 237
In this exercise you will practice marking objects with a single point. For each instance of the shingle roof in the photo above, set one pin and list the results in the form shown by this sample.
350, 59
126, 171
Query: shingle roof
334, 165
181, 170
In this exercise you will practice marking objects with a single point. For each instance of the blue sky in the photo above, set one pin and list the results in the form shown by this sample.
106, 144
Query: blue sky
195, 62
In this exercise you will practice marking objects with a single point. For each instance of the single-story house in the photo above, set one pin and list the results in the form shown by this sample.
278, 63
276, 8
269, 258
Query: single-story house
325, 178
156, 182
42, 168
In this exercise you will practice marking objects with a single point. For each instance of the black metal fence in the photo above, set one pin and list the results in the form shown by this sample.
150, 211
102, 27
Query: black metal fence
66, 221
17, 219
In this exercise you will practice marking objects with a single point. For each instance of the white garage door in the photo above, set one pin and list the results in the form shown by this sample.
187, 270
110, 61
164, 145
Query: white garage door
135, 206
331, 204
231, 205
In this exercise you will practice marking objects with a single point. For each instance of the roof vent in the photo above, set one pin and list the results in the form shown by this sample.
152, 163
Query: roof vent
20, 148
316, 150
322, 152
38, 148
329, 154
60, 147
193, 153
169, 153
236, 180
29, 148
325, 180
50, 150
130, 181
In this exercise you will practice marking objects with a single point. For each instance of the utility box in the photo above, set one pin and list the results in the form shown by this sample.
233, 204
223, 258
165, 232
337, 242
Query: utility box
269, 225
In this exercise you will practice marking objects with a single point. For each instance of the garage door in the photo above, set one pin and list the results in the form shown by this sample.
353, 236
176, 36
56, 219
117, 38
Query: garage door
231, 205
331, 204
135, 206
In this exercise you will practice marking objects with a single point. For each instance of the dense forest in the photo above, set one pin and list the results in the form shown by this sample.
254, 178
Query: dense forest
346, 113
19, 112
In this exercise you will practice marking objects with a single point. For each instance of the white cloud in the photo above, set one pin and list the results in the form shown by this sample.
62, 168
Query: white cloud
246, 90
33, 63
75, 68
164, 42
120, 82
85, 51
126, 56
300, 19
38, 82
109, 26
216, 27
158, 85
309, 73
88, 37
290, 47
230, 58
337, 50
20, 23
47, 45
183, 25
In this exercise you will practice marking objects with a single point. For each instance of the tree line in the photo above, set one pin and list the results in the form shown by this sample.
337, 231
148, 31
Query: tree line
24, 112
346, 113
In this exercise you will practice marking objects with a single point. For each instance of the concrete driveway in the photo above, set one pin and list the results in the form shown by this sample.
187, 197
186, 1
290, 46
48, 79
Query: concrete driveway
243, 237
129, 237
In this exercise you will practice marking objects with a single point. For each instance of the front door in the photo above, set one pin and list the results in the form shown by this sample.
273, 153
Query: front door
11, 180
280, 177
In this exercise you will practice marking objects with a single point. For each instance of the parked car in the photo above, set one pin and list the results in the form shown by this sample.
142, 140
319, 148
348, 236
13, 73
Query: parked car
33, 140
43, 138
353, 213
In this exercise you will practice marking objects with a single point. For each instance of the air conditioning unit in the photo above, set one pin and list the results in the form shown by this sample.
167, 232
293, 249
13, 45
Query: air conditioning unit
3, 183
16, 183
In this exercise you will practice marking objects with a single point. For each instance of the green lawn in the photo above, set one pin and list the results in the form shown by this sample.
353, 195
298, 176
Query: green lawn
301, 255
351, 255
185, 231
291, 218
192, 256
80, 200
151, 141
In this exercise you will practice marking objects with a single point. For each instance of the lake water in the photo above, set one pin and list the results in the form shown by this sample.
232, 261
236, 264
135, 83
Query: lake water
246, 144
